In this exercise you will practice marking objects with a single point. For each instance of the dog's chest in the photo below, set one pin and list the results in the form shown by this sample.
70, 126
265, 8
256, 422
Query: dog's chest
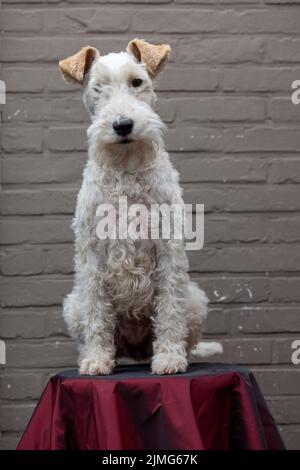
136, 188
129, 259
131, 198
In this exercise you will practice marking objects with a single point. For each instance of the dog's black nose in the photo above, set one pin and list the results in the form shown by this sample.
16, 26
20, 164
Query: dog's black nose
123, 126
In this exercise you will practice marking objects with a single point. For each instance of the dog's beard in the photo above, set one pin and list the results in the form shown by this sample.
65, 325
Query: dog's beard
130, 156
131, 153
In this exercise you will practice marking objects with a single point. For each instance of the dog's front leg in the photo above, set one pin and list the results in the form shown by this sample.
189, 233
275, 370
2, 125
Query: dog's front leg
97, 354
170, 321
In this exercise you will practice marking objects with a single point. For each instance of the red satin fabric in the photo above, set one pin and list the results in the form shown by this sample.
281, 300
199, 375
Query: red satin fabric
211, 407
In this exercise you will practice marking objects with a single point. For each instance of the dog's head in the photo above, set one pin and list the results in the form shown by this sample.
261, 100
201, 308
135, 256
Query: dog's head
119, 94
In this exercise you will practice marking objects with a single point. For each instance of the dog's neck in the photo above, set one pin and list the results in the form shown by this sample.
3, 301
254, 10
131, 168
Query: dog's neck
133, 158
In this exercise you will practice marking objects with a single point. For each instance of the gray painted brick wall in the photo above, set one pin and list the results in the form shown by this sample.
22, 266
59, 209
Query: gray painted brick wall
235, 137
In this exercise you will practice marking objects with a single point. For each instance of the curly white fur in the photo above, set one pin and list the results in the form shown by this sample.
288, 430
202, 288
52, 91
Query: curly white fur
124, 286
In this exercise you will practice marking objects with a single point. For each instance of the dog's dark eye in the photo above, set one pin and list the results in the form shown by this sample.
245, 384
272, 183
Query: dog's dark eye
136, 82
97, 88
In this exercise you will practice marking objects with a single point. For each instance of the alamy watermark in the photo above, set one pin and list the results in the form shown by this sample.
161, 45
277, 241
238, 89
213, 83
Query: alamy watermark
157, 221
2, 96
295, 96
2, 352
2, 92
296, 354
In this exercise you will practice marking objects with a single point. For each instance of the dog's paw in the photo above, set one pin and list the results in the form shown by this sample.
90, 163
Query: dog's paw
167, 363
96, 365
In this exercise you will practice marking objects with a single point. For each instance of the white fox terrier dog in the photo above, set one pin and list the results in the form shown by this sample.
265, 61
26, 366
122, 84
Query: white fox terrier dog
131, 298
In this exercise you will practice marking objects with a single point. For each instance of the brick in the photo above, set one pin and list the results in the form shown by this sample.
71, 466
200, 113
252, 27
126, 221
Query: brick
234, 140
37, 260
216, 323
258, 79
32, 322
246, 351
217, 50
194, 139
54, 169
55, 323
276, 2
283, 50
34, 291
212, 21
242, 198
262, 139
278, 382
35, 230
218, 109
20, 386
285, 171
22, 139
22, 79
283, 110
166, 110
55, 83
47, 201
285, 289
260, 320
80, 20
48, 354
67, 139
9, 442
230, 290
285, 410
106, 20
15, 417
27, 1
291, 434
285, 229
261, 199
37, 110
175, 78
239, 228
22, 20
219, 169
245, 259
218, 1
29, 79
98, 1
18, 324
125, 1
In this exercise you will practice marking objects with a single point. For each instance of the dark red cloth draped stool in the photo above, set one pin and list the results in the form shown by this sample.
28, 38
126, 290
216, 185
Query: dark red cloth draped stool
210, 407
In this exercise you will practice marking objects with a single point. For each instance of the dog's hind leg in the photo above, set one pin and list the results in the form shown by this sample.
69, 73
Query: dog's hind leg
197, 313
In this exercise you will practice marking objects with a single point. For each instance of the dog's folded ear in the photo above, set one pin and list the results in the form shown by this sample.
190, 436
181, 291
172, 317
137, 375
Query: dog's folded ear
74, 68
153, 56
